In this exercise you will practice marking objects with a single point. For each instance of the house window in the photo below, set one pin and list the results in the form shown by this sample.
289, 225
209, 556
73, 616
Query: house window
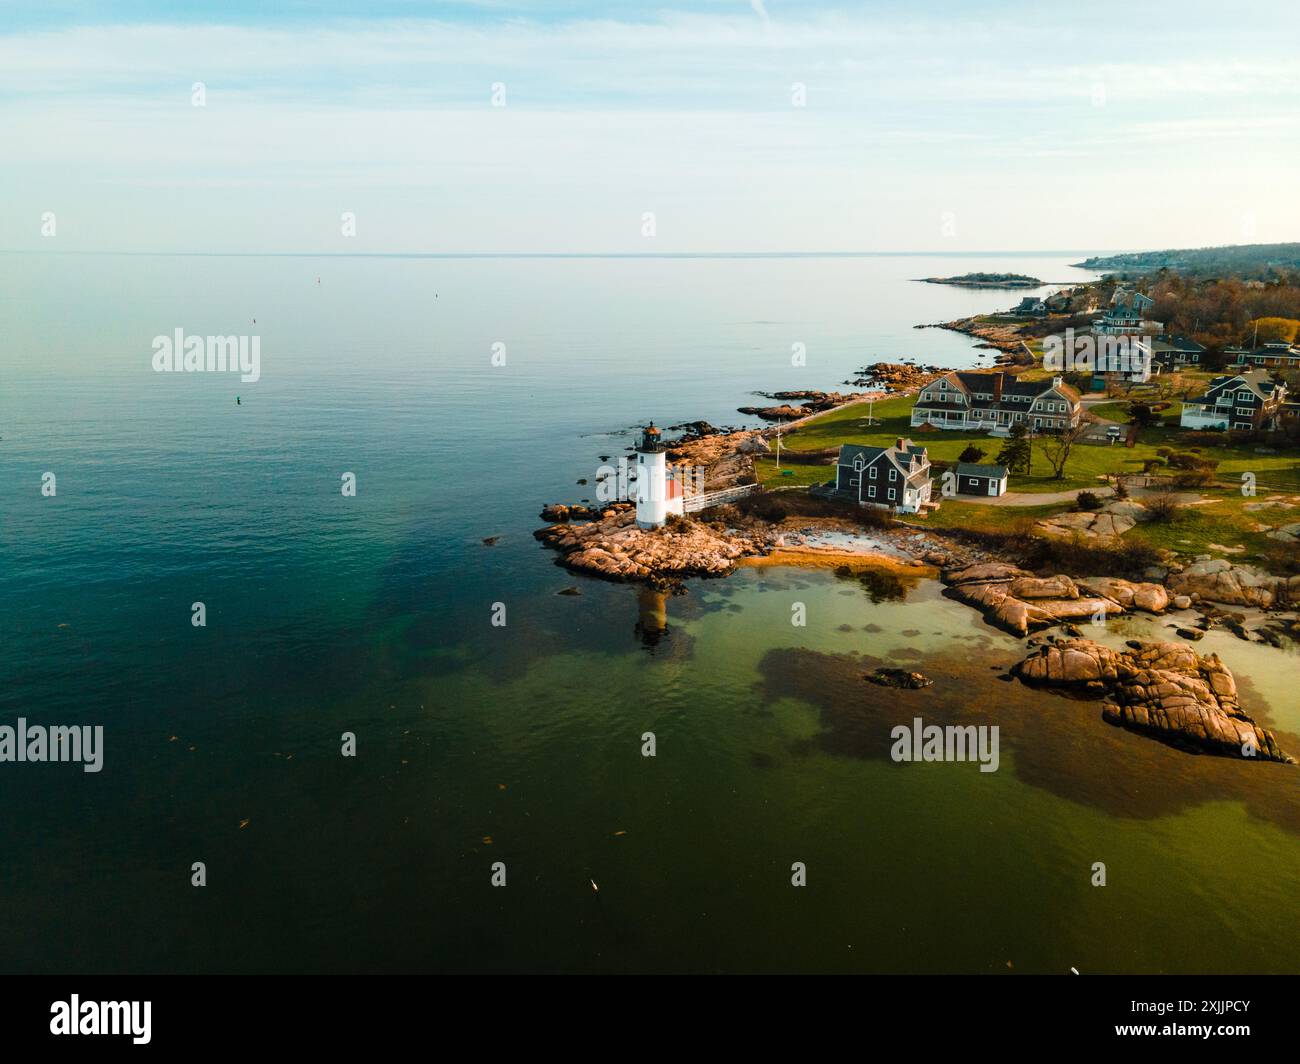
857, 464
892, 494
871, 491
893, 474
872, 474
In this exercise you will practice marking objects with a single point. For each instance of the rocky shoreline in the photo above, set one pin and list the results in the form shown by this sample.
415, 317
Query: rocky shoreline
1006, 337
614, 548
810, 402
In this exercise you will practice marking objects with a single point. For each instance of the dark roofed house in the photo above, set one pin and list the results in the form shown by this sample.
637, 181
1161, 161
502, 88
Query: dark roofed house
993, 402
1030, 305
1273, 356
975, 479
1126, 315
1249, 400
894, 478
1175, 352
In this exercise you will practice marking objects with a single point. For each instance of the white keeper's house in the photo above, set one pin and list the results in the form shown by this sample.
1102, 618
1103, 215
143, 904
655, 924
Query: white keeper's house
993, 402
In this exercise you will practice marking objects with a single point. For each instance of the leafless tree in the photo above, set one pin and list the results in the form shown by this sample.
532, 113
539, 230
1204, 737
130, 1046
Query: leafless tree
1057, 447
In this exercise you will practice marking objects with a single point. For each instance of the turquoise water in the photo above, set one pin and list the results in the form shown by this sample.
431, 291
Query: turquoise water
521, 744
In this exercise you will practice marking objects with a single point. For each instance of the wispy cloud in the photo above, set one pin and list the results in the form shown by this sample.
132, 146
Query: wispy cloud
610, 114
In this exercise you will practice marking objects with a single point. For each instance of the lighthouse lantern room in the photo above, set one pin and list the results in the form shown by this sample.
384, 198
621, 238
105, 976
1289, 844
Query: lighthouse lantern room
658, 492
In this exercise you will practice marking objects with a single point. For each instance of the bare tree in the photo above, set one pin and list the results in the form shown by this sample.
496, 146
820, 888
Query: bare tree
1057, 447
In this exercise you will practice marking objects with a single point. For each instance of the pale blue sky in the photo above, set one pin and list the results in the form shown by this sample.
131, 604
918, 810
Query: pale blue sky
927, 126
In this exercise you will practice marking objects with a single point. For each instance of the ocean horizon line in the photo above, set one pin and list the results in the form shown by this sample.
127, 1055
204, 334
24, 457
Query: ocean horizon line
557, 254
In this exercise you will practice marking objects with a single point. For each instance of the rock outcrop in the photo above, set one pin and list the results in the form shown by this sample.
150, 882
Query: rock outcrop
1020, 602
558, 511
1099, 525
614, 547
896, 377
1287, 533
1152, 598
1219, 580
1164, 690
903, 679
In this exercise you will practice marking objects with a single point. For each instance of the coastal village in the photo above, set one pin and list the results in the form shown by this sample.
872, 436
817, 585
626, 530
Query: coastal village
1048, 499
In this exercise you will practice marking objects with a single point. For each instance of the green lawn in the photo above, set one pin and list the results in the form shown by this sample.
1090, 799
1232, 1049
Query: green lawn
1087, 464
1222, 522
790, 476
1111, 411
1119, 410
980, 517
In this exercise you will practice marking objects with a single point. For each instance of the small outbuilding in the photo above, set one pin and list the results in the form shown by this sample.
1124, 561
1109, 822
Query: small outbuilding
981, 479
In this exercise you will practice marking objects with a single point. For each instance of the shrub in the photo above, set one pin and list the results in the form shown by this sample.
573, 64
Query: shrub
1194, 478
1162, 507
870, 517
1087, 501
1043, 554
1189, 461
1282, 559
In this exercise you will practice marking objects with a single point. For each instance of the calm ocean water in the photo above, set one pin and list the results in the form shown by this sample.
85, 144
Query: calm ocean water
521, 744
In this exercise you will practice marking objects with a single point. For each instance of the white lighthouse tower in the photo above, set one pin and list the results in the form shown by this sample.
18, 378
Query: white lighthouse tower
657, 494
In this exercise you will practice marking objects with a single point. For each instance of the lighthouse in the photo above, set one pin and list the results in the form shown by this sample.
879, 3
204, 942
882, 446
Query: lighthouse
657, 494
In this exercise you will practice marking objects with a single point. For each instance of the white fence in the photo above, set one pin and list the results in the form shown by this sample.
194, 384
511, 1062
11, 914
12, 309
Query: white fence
716, 498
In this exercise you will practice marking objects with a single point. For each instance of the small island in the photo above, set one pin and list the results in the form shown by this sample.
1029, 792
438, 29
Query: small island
987, 280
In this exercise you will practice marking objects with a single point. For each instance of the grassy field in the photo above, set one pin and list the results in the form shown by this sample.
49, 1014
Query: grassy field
954, 513
790, 476
1119, 410
1086, 468
1220, 522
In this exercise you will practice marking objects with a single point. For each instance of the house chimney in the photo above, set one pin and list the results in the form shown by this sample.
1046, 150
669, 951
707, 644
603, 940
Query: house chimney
997, 387
899, 443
